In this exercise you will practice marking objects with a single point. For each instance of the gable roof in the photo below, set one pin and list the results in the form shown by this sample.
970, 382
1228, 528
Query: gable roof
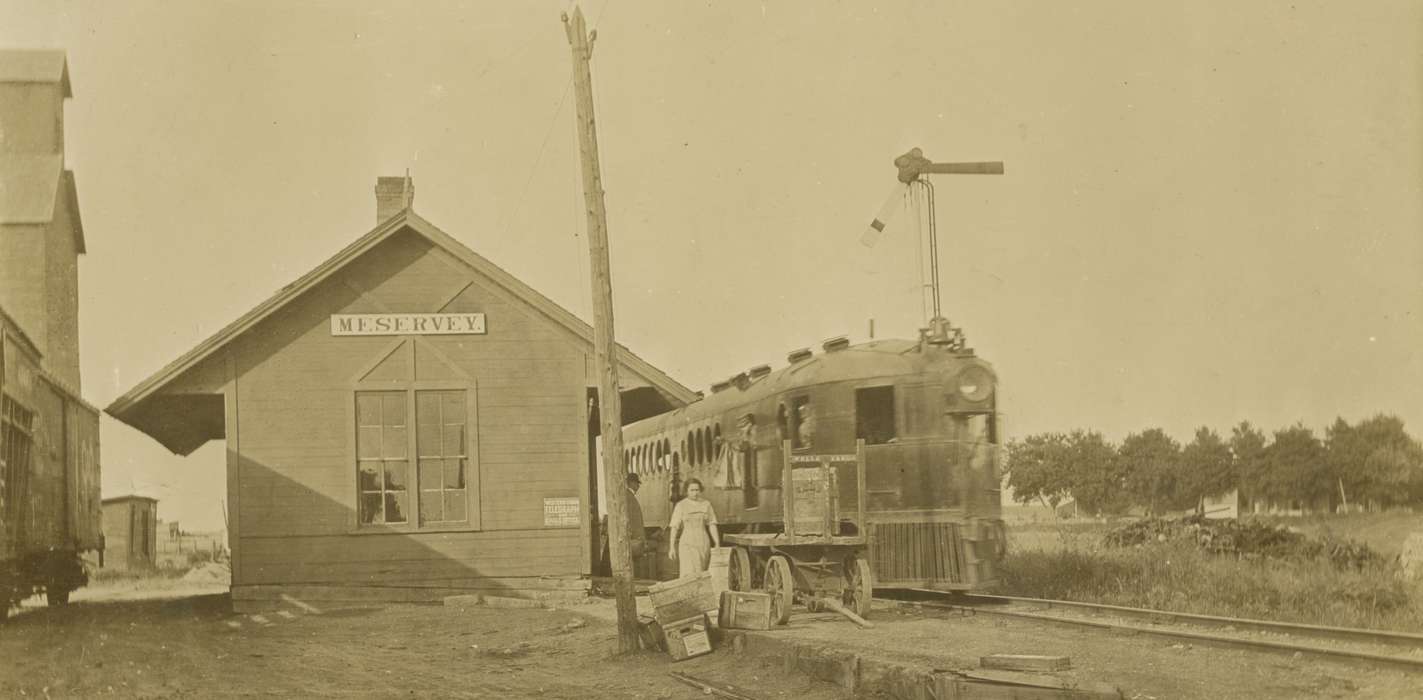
30, 186
35, 66
122, 407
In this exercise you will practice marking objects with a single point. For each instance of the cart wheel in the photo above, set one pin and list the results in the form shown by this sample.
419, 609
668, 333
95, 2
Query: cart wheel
56, 596
740, 570
781, 587
859, 586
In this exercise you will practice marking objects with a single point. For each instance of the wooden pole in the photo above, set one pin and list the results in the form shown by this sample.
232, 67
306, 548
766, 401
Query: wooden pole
604, 346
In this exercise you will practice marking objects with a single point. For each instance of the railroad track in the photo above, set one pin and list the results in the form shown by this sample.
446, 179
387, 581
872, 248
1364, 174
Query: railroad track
1372, 647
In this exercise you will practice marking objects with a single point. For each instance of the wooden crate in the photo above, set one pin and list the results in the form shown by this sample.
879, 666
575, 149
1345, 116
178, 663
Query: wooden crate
688, 638
682, 598
720, 569
744, 610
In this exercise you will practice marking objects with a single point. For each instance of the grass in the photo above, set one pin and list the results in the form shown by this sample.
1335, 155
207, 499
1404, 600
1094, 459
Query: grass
1180, 577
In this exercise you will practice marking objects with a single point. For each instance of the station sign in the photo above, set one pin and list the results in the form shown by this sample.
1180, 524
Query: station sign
407, 324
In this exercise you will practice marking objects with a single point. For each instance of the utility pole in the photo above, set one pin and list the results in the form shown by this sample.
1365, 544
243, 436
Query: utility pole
604, 346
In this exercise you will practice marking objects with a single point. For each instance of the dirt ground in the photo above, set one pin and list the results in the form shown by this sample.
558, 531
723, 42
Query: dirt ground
176, 642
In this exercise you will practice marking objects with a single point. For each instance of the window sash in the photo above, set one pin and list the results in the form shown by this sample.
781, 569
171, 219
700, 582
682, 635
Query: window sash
412, 458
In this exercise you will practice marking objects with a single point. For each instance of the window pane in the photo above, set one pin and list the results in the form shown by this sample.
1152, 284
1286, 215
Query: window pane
427, 442
454, 440
370, 508
393, 403
431, 506
454, 505
395, 473
369, 476
430, 474
454, 407
367, 409
427, 408
368, 442
393, 442
395, 507
454, 473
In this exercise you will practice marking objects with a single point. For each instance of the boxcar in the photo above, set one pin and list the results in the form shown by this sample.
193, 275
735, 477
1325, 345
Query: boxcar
49, 477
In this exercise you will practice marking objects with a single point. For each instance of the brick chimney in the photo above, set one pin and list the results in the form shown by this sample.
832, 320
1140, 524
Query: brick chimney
393, 195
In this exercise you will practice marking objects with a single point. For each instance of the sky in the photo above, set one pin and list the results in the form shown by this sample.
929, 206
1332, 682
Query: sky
1211, 211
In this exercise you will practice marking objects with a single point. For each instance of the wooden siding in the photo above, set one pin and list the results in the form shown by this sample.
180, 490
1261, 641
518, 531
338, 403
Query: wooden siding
290, 429
130, 534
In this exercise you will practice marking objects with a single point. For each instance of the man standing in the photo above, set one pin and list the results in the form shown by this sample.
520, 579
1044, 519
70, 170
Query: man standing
637, 535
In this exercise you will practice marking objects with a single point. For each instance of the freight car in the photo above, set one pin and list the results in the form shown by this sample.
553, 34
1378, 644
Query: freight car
926, 411
49, 477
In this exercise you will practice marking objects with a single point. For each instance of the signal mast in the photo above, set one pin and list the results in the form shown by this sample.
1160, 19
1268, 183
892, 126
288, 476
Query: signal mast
913, 167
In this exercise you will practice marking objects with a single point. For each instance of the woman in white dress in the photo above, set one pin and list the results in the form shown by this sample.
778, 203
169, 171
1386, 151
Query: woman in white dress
694, 532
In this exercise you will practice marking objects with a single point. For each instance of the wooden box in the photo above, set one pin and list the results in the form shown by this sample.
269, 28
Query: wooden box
683, 598
720, 569
688, 638
745, 610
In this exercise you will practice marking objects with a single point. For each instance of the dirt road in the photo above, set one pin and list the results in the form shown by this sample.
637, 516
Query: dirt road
193, 646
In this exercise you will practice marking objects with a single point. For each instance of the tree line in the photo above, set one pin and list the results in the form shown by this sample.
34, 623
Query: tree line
1372, 462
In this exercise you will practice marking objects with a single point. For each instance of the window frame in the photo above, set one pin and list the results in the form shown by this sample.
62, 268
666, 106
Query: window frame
412, 525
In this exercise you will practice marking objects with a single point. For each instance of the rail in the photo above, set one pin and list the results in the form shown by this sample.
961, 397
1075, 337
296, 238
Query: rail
989, 605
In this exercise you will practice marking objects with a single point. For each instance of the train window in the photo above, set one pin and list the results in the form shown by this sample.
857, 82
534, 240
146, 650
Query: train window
716, 439
874, 415
783, 430
802, 423
707, 445
699, 449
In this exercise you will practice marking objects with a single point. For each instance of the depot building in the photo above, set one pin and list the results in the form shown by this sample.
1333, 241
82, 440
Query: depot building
404, 422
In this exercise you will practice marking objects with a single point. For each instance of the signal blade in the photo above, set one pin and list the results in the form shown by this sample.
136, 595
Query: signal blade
887, 211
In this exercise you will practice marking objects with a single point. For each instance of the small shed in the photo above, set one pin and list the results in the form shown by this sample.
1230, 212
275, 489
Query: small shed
130, 533
405, 421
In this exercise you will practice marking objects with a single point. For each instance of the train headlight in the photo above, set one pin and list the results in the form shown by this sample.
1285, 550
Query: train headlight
975, 384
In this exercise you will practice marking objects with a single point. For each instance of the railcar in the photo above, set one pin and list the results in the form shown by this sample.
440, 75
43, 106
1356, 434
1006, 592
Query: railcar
49, 477
926, 411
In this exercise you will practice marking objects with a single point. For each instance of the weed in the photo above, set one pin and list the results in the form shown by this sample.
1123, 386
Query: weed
1179, 576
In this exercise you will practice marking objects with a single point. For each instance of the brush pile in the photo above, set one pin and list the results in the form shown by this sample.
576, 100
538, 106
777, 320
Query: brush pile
1244, 538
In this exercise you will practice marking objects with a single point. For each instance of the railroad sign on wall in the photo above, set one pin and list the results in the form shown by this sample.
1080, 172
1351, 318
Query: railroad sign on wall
561, 512
407, 324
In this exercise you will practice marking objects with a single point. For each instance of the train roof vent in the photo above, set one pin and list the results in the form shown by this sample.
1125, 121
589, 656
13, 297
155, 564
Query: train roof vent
836, 344
719, 387
701, 395
741, 380
800, 355
759, 371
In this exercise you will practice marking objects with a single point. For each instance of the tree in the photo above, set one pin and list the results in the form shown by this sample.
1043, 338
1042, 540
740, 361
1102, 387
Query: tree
1247, 448
1296, 467
1376, 460
1153, 460
1096, 476
1207, 467
1037, 468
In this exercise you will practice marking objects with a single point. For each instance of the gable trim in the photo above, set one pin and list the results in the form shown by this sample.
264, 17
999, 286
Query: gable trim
407, 219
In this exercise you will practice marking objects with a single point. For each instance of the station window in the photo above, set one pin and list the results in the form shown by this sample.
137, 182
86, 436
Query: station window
874, 414
439, 444
384, 444
383, 464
